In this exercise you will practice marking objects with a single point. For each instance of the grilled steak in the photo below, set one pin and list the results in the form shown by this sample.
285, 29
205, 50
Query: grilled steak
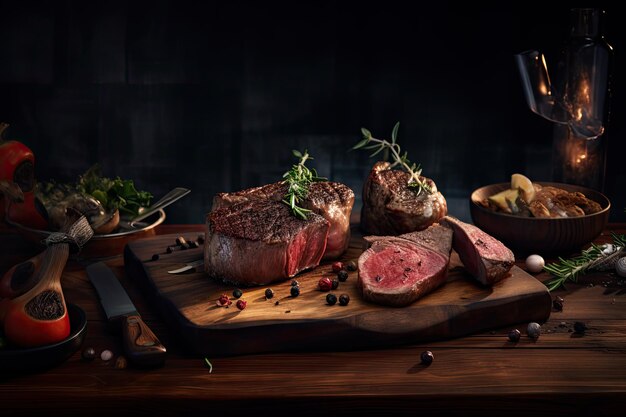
391, 207
260, 241
484, 257
398, 270
332, 200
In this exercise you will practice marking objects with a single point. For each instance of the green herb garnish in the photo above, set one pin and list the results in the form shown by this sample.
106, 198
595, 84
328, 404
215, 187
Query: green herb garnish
380, 145
299, 178
113, 193
570, 269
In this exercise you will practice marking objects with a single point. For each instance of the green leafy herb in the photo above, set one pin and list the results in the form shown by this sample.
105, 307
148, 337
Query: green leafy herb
113, 193
299, 178
380, 145
570, 269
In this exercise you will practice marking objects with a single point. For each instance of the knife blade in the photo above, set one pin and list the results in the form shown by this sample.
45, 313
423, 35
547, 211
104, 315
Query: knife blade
141, 345
187, 267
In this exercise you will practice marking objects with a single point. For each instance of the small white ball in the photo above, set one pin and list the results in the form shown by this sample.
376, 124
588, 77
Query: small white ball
106, 355
535, 264
620, 267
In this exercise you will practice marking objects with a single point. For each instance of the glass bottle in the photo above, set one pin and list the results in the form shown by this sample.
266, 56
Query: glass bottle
583, 89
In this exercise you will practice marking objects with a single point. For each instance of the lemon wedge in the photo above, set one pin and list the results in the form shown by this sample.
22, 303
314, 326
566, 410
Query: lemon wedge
522, 183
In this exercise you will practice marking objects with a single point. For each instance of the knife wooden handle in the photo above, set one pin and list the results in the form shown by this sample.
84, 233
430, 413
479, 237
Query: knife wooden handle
140, 343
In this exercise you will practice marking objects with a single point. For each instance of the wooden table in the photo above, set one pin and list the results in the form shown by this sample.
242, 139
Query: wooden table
563, 373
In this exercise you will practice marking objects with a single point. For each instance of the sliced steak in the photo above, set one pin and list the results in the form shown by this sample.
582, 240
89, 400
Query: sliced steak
398, 270
260, 241
484, 257
391, 207
332, 200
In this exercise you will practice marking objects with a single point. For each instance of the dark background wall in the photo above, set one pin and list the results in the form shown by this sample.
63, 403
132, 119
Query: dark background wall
214, 95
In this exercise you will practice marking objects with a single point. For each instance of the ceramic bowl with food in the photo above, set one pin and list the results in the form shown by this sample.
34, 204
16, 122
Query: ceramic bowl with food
542, 235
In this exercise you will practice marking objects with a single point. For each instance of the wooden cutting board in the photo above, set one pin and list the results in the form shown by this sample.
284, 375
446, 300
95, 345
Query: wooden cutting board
188, 303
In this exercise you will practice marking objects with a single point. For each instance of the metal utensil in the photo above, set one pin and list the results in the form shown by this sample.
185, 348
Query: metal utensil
169, 198
140, 344
187, 267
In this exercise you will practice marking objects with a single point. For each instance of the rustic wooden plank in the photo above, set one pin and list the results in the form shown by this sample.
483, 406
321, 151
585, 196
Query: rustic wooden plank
187, 301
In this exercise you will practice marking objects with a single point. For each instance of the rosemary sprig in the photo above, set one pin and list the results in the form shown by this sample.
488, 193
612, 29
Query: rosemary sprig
380, 145
299, 178
570, 269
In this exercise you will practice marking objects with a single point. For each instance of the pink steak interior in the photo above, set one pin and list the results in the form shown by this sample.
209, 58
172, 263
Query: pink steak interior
395, 267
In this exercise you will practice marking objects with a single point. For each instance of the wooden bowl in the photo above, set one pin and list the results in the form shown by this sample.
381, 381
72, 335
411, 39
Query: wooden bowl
103, 245
556, 236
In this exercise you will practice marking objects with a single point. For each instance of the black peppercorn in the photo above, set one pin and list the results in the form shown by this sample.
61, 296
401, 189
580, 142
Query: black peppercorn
351, 266
88, 354
557, 304
192, 244
169, 250
342, 275
427, 357
580, 327
269, 293
294, 283
331, 299
514, 335
295, 291
155, 257
344, 299
200, 239
335, 284
237, 293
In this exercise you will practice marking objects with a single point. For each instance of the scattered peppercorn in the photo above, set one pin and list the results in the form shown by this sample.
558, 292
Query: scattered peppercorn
557, 303
325, 284
277, 302
427, 357
344, 299
335, 283
192, 244
200, 239
295, 291
580, 327
184, 246
514, 335
331, 299
106, 355
342, 275
169, 250
269, 293
121, 362
337, 266
88, 354
294, 283
242, 304
155, 257
351, 266
224, 300
237, 293
533, 330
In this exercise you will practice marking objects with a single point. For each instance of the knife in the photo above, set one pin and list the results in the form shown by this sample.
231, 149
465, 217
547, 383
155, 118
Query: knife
187, 267
141, 345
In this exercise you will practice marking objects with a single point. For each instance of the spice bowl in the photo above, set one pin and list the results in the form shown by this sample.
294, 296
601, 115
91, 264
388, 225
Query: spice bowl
556, 236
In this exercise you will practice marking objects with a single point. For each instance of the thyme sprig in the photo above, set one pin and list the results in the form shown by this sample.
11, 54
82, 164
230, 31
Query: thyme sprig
399, 158
299, 178
570, 269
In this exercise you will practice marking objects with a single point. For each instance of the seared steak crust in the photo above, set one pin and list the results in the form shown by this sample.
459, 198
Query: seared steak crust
391, 207
257, 242
332, 200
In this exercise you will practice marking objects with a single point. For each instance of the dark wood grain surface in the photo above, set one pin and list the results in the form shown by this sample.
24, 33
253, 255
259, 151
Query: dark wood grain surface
562, 373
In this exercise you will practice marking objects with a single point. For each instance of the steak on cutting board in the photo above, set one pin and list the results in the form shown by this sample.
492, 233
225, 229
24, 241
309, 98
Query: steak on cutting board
484, 257
398, 270
331, 200
260, 241
391, 207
